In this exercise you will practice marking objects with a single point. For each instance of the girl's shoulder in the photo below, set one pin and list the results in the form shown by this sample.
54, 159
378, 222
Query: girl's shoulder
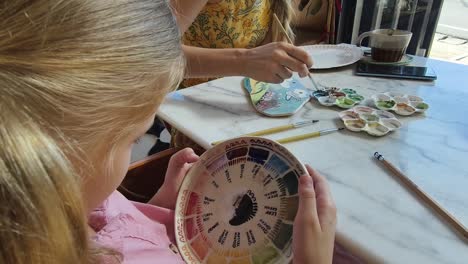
137, 231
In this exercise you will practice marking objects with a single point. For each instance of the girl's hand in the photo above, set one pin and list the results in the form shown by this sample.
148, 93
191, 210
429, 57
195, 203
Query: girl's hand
275, 62
179, 165
315, 222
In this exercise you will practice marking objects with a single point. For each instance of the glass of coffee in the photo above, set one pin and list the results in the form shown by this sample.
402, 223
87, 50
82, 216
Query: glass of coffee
387, 45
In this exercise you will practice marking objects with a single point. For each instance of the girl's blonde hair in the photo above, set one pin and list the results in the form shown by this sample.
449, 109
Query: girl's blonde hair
74, 75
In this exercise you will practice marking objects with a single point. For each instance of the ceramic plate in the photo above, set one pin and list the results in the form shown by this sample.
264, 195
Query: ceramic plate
333, 56
237, 204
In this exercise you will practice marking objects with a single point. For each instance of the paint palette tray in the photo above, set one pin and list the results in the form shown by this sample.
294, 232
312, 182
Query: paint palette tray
374, 122
343, 98
237, 204
399, 103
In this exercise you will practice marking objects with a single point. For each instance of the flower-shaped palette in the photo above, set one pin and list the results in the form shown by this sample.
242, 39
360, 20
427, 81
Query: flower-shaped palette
374, 122
343, 98
401, 104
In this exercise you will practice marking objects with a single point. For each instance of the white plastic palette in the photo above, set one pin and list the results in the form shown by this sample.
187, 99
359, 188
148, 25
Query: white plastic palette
374, 122
401, 104
343, 98
238, 203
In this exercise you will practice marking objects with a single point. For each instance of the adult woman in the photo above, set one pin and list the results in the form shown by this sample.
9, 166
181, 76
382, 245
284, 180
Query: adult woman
234, 38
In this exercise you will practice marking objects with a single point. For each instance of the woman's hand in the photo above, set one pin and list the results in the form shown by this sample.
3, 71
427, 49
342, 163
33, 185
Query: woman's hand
315, 222
275, 62
179, 165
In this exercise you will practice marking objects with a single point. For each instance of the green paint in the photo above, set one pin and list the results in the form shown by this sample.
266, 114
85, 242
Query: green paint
345, 102
386, 104
264, 254
348, 91
283, 238
356, 97
422, 106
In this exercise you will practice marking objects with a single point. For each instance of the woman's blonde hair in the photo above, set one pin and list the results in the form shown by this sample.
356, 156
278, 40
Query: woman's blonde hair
285, 12
74, 74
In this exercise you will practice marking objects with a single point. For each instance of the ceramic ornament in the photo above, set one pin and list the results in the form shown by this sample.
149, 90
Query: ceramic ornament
282, 99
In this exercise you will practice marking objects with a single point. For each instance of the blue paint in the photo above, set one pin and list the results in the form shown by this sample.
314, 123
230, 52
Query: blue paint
277, 164
258, 155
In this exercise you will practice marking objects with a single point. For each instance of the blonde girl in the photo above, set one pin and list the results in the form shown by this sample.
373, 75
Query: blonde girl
80, 82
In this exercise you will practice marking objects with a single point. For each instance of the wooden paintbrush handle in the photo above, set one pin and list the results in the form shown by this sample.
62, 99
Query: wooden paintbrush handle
424, 196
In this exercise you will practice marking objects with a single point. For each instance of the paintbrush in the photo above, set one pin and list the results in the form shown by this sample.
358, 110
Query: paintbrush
278, 22
308, 135
424, 196
276, 129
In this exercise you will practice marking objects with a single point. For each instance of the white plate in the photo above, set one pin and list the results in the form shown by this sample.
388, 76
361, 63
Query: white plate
333, 56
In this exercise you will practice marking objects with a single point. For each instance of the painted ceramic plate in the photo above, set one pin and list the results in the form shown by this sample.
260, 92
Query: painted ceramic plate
237, 204
333, 56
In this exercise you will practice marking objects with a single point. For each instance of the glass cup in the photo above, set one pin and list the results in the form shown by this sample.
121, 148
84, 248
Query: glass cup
387, 45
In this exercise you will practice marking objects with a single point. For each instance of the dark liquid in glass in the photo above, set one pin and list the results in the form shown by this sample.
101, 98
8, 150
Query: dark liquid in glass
387, 55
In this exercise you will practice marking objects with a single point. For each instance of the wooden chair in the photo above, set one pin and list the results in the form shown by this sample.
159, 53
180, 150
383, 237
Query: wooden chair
145, 177
315, 23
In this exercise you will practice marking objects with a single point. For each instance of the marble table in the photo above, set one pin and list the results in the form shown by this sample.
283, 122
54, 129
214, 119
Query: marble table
378, 218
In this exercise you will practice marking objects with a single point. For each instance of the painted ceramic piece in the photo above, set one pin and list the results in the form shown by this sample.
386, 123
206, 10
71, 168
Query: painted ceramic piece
374, 122
282, 99
237, 204
400, 103
343, 98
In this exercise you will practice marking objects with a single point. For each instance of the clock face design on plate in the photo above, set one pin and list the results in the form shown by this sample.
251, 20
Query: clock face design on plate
238, 203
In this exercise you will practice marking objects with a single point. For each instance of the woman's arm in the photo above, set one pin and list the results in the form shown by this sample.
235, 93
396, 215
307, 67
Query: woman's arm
205, 62
272, 62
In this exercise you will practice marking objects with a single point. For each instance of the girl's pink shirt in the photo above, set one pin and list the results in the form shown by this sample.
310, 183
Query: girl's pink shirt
142, 233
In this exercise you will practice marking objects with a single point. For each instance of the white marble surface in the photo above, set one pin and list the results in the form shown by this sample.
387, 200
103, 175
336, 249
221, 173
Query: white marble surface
377, 216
